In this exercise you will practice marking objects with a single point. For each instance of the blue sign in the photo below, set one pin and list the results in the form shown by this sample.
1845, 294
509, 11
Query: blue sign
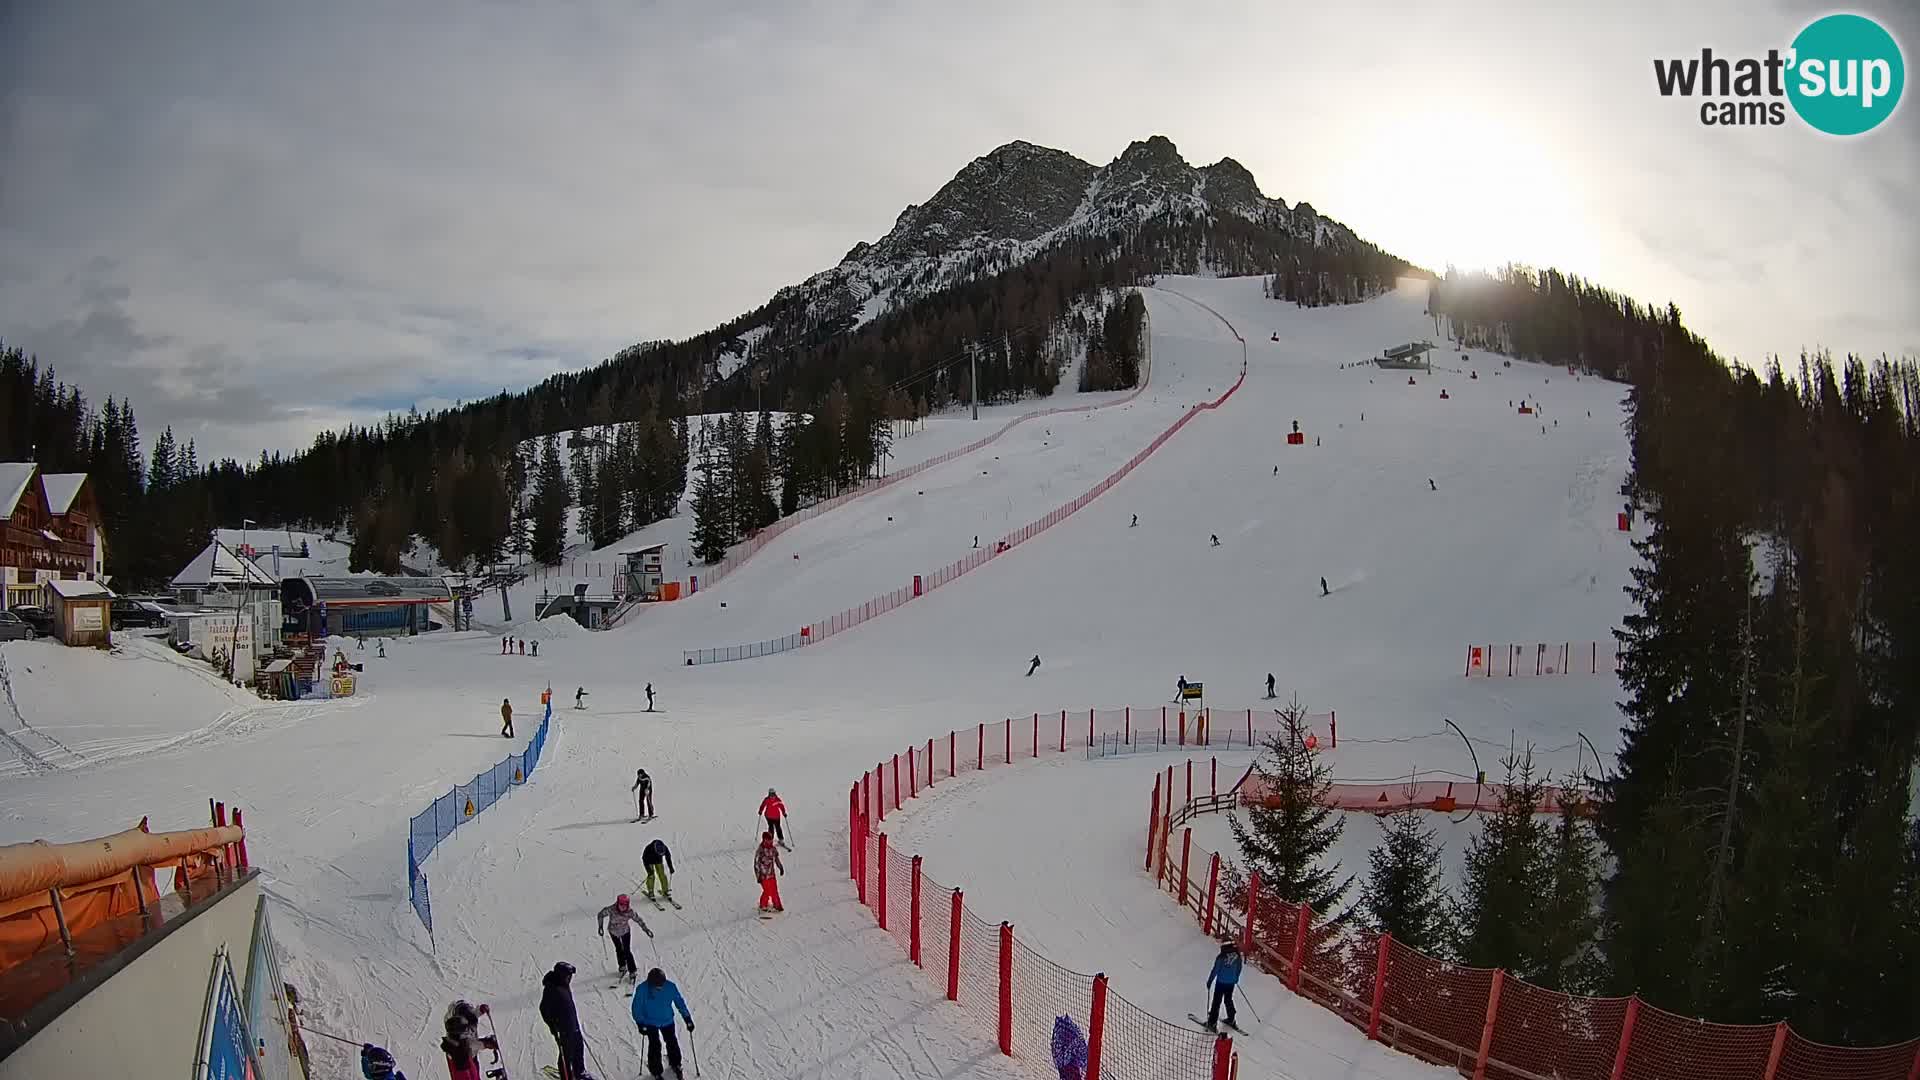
226, 1052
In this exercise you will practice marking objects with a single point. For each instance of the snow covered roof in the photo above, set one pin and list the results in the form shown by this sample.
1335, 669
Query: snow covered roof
61, 489
79, 590
219, 564
376, 590
14, 478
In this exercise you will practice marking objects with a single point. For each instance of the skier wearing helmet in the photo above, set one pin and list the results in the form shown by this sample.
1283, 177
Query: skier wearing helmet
563, 1020
775, 812
619, 917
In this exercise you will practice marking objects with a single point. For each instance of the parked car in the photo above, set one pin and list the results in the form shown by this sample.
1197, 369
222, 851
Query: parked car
14, 628
37, 617
132, 613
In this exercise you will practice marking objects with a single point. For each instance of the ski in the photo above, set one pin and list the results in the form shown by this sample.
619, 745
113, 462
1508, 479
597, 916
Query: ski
658, 906
1203, 1024
671, 900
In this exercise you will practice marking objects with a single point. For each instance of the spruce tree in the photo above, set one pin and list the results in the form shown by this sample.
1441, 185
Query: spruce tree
1507, 872
1569, 921
585, 485
550, 502
1286, 834
1403, 893
710, 535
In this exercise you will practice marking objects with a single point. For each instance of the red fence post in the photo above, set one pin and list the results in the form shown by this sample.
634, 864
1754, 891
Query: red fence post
980, 752
1006, 989
953, 949
1299, 946
1379, 987
1773, 1055
1626, 1039
1089, 729
1486, 1030
240, 845
1333, 728
1153, 822
860, 846
913, 776
880, 783
883, 881
1063, 731
1036, 734
929, 760
913, 927
1189, 771
1249, 729
1008, 752
1183, 726
1222, 1057
896, 781
1127, 729
1253, 912
1096, 1026
1163, 725
1914, 1074
1186, 851
952, 737
1213, 891
853, 832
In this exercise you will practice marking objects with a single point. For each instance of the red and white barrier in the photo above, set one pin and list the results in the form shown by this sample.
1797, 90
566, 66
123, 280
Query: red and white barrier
1543, 658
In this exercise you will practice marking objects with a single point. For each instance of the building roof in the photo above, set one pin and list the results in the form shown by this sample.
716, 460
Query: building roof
1412, 348
61, 489
14, 478
378, 590
219, 564
69, 589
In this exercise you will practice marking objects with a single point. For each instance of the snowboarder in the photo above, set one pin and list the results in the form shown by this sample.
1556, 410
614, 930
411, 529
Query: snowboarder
1069, 1049
653, 1006
1324, 591
766, 868
506, 718
377, 1064
659, 863
1034, 666
1222, 979
1269, 685
1215, 537
649, 697
1136, 522
618, 917
464, 1042
775, 812
1431, 486
642, 791
563, 1020
579, 697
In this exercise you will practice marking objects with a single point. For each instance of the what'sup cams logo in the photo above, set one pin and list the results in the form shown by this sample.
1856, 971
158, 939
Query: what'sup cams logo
1843, 75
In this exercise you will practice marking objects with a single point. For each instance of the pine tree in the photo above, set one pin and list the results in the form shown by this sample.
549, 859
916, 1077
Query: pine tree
710, 535
1569, 922
585, 485
550, 502
1403, 893
1288, 832
1507, 872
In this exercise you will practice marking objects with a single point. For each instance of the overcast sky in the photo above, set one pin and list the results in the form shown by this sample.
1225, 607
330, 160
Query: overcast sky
257, 220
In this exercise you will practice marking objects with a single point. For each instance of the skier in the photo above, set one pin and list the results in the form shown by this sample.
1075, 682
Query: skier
653, 858
766, 868
1069, 1049
649, 697
563, 1020
382, 643
362, 639
1269, 684
1323, 587
976, 540
504, 641
1180, 688
642, 791
377, 1064
536, 648
1215, 537
1276, 470
521, 645
1136, 522
775, 812
506, 718
1431, 485
1033, 667
653, 1006
579, 697
616, 917
1222, 979
464, 1042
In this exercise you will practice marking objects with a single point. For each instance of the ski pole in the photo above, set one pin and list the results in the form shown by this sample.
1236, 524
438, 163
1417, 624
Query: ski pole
693, 1049
606, 949
1248, 1002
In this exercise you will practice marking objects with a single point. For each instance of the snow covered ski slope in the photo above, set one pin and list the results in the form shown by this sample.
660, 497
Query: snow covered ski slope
1516, 544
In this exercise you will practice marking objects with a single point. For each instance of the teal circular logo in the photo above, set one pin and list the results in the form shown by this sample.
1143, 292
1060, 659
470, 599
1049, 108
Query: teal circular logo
1847, 74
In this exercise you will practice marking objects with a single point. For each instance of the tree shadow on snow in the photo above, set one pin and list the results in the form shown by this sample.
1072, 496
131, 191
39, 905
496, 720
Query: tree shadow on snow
593, 824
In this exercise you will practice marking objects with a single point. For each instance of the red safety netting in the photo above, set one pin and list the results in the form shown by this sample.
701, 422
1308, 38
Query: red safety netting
1043, 990
1665, 1045
980, 972
1803, 1059
1141, 1046
1434, 1009
1548, 1033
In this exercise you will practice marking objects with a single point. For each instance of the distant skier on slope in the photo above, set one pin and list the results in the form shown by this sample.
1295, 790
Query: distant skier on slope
1180, 688
1324, 591
619, 917
1136, 522
563, 1021
642, 792
506, 718
649, 697
579, 697
766, 870
775, 811
1215, 537
1034, 666
1269, 684
1431, 485
658, 860
653, 1006
1221, 980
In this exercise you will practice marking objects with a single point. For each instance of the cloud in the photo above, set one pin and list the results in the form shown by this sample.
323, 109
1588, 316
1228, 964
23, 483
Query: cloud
259, 220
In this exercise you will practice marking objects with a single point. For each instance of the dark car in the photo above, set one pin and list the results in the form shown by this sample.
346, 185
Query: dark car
138, 614
37, 617
14, 628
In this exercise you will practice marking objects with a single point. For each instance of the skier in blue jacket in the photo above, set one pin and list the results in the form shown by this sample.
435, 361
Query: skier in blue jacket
1223, 978
653, 1005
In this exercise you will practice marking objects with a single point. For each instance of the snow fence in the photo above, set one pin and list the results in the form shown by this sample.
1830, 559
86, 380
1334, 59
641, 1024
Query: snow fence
463, 804
816, 632
1481, 1021
1010, 991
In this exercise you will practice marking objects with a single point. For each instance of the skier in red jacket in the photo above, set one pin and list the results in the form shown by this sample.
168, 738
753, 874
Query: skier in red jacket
766, 870
775, 812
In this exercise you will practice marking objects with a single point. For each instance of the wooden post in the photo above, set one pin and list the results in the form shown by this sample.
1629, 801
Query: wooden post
913, 930
1036, 735
952, 737
1096, 1026
1379, 986
1779, 1047
1213, 892
953, 949
139, 893
1626, 1040
1063, 731
980, 752
1008, 759
60, 920
1299, 946
1153, 822
1253, 912
882, 879
1006, 989
1127, 729
1486, 1029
